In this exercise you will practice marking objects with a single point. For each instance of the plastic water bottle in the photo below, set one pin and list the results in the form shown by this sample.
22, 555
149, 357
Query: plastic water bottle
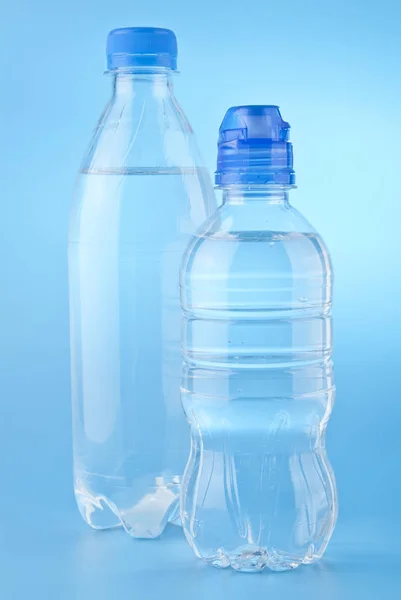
141, 193
256, 284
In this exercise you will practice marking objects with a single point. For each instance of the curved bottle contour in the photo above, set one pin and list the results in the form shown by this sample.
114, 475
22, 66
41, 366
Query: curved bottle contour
142, 191
257, 385
142, 127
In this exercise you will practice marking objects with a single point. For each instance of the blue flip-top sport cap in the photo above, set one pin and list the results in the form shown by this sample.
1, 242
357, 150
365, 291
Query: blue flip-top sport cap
253, 147
130, 47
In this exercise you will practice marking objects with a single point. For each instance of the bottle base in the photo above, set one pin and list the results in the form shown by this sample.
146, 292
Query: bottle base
145, 519
252, 559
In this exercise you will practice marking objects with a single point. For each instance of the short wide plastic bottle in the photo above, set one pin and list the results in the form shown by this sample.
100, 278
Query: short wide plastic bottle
257, 387
141, 193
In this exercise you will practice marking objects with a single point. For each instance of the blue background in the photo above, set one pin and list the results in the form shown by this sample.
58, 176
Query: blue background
334, 69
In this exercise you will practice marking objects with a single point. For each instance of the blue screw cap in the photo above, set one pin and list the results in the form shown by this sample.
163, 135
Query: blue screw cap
253, 147
131, 47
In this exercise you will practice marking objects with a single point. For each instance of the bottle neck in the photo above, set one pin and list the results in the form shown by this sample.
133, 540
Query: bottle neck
155, 84
270, 194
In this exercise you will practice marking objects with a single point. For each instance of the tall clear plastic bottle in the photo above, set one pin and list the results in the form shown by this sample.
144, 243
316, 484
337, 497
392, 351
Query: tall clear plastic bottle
256, 286
141, 193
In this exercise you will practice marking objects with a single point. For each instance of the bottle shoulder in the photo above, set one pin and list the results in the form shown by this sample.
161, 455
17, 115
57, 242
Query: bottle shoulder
142, 133
257, 217
276, 240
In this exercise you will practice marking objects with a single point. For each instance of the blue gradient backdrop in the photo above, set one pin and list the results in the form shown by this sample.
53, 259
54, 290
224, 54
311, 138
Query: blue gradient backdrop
334, 69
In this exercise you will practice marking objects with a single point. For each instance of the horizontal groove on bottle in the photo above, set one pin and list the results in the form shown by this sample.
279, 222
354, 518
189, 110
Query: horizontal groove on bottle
249, 314
266, 364
324, 365
295, 277
289, 398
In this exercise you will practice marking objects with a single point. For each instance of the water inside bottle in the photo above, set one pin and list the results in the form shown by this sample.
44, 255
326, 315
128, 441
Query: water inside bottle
131, 441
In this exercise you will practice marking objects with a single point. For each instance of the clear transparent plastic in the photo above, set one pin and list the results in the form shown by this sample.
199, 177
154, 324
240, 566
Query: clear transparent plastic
257, 389
141, 193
